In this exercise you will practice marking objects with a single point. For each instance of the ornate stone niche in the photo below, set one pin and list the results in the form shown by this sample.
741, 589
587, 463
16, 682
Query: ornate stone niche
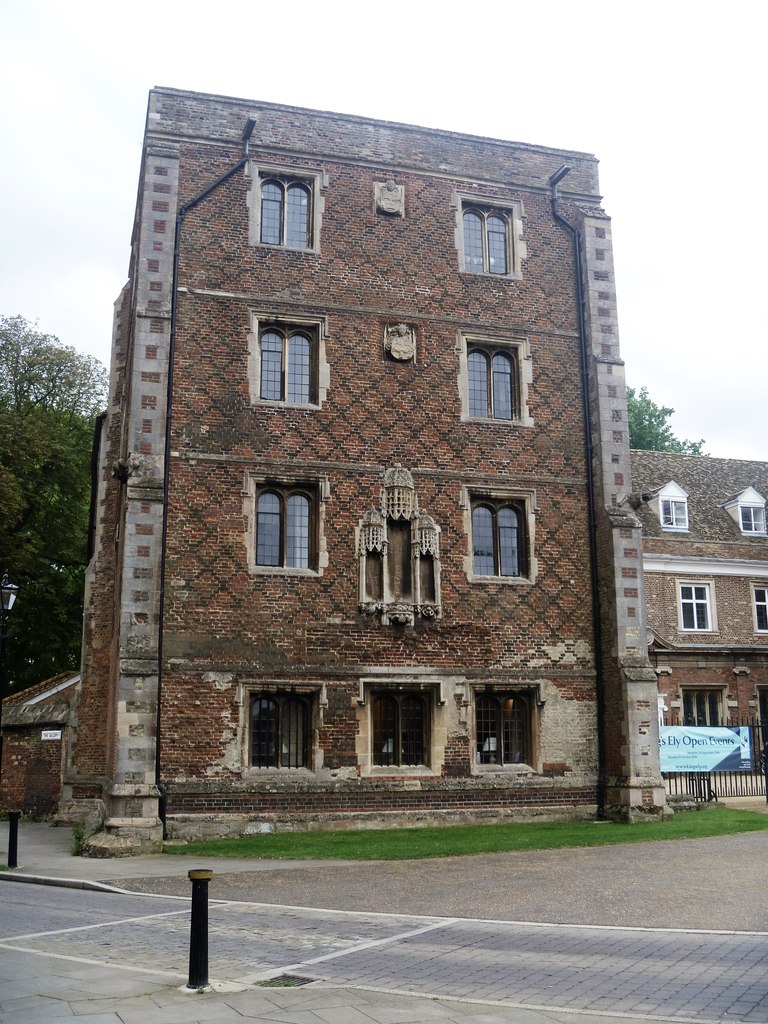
389, 198
400, 342
399, 555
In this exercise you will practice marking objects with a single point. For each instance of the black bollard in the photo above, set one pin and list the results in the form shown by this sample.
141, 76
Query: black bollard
198, 933
13, 838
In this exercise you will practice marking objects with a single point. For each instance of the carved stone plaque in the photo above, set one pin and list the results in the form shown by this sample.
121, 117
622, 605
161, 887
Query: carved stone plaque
390, 198
400, 342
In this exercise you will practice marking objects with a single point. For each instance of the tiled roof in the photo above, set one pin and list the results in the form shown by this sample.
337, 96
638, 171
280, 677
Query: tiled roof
42, 691
709, 482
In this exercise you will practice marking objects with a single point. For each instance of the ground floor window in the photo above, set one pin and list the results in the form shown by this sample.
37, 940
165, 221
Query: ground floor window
400, 729
702, 707
503, 729
280, 725
763, 705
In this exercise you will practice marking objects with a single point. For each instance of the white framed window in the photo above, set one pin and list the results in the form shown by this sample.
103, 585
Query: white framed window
674, 514
696, 606
752, 518
748, 512
494, 376
671, 506
490, 236
760, 607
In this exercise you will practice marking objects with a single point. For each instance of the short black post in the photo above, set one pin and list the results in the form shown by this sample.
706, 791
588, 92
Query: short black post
765, 768
198, 933
13, 838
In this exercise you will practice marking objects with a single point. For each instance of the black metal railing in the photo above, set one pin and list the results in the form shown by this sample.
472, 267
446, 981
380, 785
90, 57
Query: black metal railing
703, 787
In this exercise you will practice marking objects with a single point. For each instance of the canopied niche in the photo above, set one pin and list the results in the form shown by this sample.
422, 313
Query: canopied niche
399, 555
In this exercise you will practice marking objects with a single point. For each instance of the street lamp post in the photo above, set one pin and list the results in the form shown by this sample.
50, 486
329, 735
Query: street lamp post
8, 592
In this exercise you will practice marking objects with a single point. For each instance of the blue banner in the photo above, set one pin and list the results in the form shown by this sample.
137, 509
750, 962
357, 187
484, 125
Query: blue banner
686, 748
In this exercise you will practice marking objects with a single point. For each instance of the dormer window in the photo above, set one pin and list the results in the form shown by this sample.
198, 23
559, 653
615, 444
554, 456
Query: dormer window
748, 511
671, 504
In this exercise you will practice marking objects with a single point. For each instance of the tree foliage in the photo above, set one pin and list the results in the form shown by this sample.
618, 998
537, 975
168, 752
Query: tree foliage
649, 429
50, 395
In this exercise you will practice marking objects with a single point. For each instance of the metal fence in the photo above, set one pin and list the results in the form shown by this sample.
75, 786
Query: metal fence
703, 787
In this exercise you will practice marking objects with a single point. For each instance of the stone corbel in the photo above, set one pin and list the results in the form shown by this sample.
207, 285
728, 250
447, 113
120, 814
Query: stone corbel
122, 469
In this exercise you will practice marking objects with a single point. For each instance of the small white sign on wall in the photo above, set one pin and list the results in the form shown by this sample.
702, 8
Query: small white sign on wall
51, 734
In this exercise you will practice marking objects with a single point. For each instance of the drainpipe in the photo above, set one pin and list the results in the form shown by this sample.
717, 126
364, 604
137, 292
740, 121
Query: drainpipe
554, 180
250, 124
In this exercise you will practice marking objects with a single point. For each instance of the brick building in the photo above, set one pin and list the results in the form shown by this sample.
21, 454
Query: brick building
35, 736
395, 580
705, 559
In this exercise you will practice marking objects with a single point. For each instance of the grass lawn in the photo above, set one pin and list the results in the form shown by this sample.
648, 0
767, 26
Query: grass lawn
460, 840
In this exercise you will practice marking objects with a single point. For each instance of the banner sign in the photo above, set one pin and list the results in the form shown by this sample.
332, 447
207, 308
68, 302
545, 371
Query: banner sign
686, 748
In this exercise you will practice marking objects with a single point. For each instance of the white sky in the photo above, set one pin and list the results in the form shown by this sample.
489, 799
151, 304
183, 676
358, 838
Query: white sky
669, 94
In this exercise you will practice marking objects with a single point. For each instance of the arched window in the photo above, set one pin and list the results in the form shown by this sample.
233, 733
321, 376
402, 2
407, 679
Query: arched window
487, 240
493, 384
399, 730
498, 539
271, 212
283, 536
286, 365
502, 728
297, 220
286, 209
279, 731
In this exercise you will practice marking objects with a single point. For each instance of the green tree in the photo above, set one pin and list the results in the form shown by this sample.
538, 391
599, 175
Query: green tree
50, 395
649, 429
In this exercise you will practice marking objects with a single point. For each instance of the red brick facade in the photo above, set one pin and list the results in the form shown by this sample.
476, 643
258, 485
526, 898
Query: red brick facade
723, 657
310, 640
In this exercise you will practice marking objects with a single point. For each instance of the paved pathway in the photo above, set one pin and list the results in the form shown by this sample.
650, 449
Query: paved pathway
127, 956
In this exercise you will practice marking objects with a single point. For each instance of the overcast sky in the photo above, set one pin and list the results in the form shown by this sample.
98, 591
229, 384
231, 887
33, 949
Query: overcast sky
668, 94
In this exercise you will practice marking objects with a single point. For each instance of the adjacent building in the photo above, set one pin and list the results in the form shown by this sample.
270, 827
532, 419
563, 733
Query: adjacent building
705, 562
362, 549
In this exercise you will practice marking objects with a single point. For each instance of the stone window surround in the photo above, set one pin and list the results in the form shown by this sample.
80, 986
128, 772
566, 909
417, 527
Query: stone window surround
521, 346
313, 178
430, 687
532, 693
316, 327
316, 695
720, 692
709, 585
319, 486
512, 211
526, 497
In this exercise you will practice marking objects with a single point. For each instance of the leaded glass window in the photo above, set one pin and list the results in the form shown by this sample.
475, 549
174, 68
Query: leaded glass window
279, 731
502, 728
284, 536
286, 213
498, 543
399, 729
